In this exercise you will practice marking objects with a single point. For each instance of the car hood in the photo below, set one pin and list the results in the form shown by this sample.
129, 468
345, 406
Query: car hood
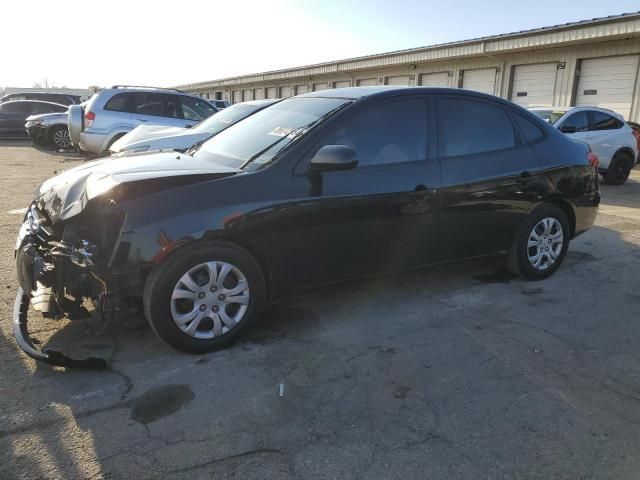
67, 194
48, 116
143, 133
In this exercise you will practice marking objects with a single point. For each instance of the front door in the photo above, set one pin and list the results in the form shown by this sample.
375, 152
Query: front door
152, 108
377, 217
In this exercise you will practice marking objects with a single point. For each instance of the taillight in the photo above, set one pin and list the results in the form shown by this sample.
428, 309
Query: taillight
593, 159
89, 117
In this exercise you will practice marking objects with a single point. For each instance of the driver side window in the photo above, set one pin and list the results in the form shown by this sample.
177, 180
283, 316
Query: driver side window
391, 132
579, 120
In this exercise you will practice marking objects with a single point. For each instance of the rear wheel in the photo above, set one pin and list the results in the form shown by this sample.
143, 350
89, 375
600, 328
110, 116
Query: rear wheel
619, 169
202, 298
59, 137
540, 244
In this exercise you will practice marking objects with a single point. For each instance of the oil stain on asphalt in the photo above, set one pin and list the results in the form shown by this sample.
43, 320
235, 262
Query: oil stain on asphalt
160, 402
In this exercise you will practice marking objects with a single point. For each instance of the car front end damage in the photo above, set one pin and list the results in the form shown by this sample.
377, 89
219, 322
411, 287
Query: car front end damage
60, 266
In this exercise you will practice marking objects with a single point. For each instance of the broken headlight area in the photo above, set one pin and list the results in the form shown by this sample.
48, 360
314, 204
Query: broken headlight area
62, 265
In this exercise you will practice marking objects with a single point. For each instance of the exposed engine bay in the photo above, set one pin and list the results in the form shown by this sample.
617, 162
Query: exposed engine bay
62, 265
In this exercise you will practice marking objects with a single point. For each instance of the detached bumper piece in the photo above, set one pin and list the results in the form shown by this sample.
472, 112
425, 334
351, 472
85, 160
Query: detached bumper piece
52, 357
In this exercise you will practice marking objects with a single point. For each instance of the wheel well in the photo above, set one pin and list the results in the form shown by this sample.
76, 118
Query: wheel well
568, 211
626, 151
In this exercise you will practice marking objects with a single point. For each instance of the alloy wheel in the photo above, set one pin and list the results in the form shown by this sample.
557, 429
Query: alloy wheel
545, 243
61, 138
210, 299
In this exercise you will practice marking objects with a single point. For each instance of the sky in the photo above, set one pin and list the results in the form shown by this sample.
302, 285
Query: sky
167, 43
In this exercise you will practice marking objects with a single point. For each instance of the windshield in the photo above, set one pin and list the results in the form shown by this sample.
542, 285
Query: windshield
259, 138
221, 120
550, 116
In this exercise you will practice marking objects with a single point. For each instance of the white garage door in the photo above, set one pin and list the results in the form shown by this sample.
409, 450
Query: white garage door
440, 79
247, 95
367, 82
397, 80
300, 89
608, 83
271, 92
258, 93
342, 84
481, 80
319, 86
236, 96
285, 92
534, 84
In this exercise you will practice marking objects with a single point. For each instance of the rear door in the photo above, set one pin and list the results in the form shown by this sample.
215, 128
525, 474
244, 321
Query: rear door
155, 108
378, 216
605, 135
490, 176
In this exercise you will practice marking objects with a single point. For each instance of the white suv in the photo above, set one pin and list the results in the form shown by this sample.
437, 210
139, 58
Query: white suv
116, 111
606, 132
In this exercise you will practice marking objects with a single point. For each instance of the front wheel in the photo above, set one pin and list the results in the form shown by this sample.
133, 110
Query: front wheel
59, 137
203, 297
541, 243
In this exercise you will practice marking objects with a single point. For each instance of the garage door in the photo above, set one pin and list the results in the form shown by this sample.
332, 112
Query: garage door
608, 83
285, 92
247, 95
300, 89
482, 80
319, 86
440, 79
534, 84
367, 82
271, 92
342, 84
237, 96
258, 93
398, 80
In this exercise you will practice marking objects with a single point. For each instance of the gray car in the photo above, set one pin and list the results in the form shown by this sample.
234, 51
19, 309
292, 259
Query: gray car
115, 111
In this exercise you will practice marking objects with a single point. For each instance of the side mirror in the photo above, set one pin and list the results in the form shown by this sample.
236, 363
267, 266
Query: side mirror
568, 129
334, 157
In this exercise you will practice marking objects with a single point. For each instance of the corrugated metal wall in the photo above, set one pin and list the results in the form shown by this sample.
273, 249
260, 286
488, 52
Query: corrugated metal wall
501, 55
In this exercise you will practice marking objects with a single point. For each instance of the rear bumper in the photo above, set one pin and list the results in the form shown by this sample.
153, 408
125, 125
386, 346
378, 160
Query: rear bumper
92, 142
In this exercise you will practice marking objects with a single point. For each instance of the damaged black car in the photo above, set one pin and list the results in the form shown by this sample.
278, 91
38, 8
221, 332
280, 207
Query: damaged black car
318, 188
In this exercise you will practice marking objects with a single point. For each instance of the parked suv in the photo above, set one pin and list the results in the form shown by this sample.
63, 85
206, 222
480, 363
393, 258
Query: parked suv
606, 132
116, 111
61, 98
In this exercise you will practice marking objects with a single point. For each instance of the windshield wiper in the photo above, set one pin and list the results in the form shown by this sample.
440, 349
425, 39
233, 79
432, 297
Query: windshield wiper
194, 148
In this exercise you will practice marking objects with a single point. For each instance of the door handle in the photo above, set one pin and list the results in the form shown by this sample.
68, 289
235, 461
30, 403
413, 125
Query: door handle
141, 120
422, 191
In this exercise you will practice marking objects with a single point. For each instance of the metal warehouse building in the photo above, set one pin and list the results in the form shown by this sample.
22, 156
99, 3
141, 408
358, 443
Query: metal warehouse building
592, 62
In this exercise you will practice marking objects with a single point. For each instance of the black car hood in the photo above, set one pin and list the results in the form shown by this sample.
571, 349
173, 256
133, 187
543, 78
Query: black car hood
67, 194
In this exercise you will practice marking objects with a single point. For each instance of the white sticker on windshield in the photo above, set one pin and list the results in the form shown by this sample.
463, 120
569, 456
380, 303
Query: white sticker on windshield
281, 131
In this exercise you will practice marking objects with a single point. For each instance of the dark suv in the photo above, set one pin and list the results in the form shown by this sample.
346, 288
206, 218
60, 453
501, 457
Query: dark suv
317, 188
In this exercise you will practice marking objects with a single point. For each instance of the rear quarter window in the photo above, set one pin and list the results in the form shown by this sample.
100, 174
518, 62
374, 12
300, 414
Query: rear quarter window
530, 131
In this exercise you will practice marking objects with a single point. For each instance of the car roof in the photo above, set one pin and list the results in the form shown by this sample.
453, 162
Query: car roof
35, 101
359, 93
566, 110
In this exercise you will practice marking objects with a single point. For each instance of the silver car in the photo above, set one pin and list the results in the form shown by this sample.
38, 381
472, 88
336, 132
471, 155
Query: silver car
115, 111
150, 137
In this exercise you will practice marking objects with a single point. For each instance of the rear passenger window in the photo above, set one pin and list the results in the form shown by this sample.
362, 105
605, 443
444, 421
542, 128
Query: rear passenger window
391, 132
118, 103
602, 121
156, 104
530, 130
468, 126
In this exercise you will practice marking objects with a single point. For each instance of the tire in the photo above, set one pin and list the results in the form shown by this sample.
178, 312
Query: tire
59, 137
206, 305
519, 262
619, 169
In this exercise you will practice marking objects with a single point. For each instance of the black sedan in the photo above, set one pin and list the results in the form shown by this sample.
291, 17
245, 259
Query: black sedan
13, 115
317, 188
